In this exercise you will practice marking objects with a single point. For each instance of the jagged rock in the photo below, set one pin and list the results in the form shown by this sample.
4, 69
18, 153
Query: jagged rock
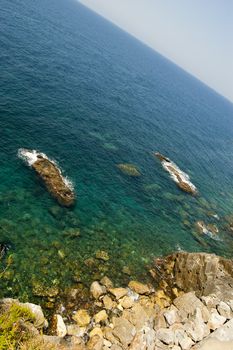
51, 175
82, 318
96, 331
75, 330
187, 304
118, 292
166, 336
211, 301
116, 347
196, 327
123, 330
224, 310
181, 178
105, 281
216, 320
220, 339
97, 290
172, 316
40, 320
203, 273
101, 316
138, 287
109, 304
95, 343
59, 326
126, 302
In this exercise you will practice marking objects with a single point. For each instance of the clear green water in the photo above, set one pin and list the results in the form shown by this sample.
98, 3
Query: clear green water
89, 96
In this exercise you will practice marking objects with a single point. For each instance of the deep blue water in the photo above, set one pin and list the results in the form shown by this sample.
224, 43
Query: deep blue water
90, 96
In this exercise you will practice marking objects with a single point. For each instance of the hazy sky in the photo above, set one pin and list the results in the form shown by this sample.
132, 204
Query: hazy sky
195, 34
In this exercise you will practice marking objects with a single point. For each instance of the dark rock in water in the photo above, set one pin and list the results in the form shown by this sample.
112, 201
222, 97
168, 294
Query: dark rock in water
51, 175
181, 178
200, 272
129, 169
4, 247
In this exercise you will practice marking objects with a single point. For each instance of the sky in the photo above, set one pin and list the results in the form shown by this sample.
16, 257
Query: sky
197, 35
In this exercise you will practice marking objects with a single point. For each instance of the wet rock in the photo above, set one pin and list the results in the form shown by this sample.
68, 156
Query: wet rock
118, 292
129, 169
97, 290
51, 175
138, 287
102, 255
207, 229
41, 290
82, 318
181, 178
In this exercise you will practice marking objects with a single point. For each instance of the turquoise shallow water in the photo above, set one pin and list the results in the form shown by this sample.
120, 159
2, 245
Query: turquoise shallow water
89, 96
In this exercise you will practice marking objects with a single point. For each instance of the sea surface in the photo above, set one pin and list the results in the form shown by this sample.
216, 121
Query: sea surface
91, 97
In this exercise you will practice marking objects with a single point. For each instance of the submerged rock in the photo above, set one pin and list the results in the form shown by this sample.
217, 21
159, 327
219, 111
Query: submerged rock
207, 229
51, 175
181, 178
129, 169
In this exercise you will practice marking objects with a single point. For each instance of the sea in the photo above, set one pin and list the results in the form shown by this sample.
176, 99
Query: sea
91, 97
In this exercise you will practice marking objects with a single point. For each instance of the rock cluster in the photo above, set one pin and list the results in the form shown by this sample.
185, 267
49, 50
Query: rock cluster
134, 320
194, 310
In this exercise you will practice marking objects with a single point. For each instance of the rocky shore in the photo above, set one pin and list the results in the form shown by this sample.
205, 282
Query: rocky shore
191, 307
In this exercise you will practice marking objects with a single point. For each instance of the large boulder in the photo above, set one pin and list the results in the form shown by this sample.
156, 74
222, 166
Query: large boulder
51, 175
180, 177
200, 272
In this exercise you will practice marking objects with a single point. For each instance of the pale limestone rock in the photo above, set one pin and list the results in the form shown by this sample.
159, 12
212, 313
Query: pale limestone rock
216, 320
224, 310
96, 331
138, 316
109, 304
230, 303
187, 304
186, 343
138, 342
211, 301
160, 321
172, 316
123, 330
95, 343
118, 292
196, 327
107, 343
82, 318
166, 336
126, 302
36, 310
75, 330
105, 281
97, 290
176, 347
138, 287
61, 330
101, 316
116, 347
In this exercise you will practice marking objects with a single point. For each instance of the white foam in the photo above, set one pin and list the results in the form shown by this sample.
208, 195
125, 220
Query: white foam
31, 156
183, 176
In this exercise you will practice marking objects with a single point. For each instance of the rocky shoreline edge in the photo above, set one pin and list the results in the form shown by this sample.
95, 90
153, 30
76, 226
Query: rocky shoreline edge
191, 308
